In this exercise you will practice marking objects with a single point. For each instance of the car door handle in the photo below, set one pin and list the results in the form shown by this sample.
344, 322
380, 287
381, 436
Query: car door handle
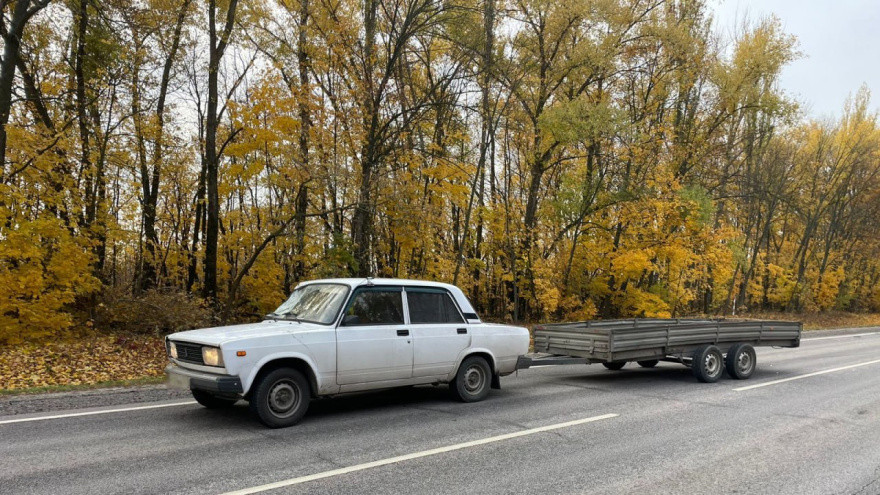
402, 333
461, 330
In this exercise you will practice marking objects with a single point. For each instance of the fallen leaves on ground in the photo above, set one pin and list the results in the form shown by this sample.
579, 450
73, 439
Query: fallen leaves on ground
91, 360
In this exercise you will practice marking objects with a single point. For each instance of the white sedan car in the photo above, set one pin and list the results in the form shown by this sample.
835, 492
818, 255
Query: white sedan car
346, 335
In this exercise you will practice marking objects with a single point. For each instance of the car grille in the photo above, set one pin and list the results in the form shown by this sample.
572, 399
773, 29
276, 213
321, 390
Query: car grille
189, 353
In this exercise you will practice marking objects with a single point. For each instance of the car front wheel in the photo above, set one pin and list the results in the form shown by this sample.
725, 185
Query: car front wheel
473, 380
281, 398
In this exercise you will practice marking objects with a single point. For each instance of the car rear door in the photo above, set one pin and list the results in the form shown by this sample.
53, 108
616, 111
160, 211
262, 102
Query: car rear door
440, 332
372, 342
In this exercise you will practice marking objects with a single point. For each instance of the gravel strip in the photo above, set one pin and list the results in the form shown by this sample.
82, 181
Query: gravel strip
808, 334
82, 399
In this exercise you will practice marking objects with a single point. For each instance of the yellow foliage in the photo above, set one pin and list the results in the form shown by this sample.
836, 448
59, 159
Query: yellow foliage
43, 268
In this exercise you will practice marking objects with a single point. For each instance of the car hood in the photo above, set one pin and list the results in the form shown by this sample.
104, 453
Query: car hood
267, 328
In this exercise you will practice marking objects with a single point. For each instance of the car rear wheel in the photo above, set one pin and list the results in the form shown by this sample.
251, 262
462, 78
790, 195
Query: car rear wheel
473, 380
615, 365
211, 401
281, 398
650, 363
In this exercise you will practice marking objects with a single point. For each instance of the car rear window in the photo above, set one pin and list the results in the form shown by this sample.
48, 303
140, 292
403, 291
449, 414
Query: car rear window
431, 306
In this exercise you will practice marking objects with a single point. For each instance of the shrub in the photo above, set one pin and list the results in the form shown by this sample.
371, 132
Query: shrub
155, 311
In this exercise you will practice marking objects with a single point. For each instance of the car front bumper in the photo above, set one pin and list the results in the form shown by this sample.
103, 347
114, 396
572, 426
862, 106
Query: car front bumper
185, 379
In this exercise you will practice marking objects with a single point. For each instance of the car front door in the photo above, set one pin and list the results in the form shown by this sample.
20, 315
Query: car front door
439, 330
372, 342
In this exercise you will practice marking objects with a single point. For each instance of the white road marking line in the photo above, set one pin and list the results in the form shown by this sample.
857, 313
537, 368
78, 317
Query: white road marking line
416, 455
92, 413
841, 336
832, 370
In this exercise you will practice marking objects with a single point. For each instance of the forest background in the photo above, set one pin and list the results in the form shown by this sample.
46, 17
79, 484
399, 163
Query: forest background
168, 164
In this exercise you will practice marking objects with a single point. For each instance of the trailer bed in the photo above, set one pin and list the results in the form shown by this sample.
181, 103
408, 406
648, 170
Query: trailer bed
607, 341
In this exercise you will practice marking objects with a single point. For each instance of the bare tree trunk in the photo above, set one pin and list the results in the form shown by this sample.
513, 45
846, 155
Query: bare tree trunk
486, 130
150, 178
82, 20
11, 47
217, 46
198, 227
362, 220
302, 197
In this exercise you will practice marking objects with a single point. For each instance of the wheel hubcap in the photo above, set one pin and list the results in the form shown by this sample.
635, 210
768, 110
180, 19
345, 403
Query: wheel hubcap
712, 364
284, 398
474, 378
744, 362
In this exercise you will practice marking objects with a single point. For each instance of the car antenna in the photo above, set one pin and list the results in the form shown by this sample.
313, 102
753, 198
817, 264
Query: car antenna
370, 282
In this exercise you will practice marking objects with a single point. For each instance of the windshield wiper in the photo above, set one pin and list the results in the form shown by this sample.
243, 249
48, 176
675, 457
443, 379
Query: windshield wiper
286, 316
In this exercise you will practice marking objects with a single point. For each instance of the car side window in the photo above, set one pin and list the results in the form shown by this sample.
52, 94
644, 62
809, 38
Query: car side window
375, 306
432, 306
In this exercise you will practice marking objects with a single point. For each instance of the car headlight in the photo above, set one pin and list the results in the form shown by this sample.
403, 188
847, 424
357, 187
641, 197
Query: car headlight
172, 349
211, 356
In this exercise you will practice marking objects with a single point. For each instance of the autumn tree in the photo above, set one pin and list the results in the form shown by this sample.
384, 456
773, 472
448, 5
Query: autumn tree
594, 158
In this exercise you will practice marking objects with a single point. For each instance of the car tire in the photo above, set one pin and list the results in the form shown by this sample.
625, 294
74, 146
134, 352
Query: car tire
650, 363
708, 364
472, 381
281, 398
741, 361
615, 365
211, 401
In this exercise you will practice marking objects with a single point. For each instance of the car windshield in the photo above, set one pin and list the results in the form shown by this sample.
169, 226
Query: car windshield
317, 303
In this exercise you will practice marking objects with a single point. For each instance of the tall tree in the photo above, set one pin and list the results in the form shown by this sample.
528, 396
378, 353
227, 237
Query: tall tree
217, 44
150, 125
12, 32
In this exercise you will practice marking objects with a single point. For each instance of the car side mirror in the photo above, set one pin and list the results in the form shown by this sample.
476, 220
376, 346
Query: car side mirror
350, 320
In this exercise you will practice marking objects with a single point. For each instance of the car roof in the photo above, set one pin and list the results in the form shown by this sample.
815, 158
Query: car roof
354, 282
469, 313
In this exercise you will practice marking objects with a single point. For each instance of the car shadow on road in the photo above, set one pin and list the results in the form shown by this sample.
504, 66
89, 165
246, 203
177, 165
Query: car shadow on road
339, 406
665, 372
384, 399
437, 398
632, 374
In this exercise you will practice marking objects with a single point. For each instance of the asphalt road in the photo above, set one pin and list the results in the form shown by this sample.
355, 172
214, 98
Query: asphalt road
566, 429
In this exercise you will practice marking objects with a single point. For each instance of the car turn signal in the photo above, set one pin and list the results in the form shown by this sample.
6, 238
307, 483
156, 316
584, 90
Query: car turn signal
241, 353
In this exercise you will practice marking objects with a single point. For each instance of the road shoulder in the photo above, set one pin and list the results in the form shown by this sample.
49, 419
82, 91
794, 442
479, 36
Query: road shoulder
82, 399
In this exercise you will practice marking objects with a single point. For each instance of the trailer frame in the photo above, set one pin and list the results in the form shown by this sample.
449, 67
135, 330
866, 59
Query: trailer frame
615, 342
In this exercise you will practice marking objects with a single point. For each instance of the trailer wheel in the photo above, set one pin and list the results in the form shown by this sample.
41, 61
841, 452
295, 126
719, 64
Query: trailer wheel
741, 361
649, 363
708, 364
614, 365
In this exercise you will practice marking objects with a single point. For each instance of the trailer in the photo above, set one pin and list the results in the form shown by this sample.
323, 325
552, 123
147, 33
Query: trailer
707, 346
